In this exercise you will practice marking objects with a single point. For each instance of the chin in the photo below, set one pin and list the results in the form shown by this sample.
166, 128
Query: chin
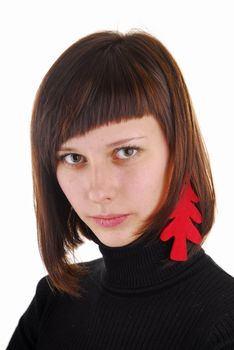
116, 242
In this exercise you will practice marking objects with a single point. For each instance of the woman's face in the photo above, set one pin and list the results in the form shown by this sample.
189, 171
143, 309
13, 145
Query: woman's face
115, 170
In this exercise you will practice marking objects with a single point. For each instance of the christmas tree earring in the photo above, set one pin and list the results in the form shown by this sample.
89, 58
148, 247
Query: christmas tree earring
182, 228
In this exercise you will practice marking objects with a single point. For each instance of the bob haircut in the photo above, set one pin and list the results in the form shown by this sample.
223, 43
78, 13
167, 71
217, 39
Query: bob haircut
102, 78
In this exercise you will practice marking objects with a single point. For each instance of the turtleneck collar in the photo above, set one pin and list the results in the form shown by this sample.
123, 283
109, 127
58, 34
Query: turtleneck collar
143, 266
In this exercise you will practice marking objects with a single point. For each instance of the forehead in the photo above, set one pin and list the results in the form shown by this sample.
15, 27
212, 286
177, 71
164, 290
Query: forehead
139, 128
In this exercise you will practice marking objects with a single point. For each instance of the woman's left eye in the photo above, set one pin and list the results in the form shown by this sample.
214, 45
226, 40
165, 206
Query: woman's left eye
128, 151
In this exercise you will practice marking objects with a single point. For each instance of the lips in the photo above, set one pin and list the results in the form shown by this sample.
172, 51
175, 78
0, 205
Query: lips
109, 216
110, 221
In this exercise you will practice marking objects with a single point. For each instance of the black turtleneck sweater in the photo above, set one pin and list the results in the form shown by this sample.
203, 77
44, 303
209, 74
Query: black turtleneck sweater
133, 301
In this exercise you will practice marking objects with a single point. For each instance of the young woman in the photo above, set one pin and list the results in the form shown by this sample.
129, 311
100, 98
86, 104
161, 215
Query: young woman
118, 158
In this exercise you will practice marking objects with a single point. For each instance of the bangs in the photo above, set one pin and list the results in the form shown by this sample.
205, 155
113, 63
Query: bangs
110, 92
107, 83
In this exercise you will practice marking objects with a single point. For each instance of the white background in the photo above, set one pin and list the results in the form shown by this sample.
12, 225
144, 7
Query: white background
198, 33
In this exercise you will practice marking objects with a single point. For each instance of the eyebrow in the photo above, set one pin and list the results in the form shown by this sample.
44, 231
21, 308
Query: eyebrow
116, 143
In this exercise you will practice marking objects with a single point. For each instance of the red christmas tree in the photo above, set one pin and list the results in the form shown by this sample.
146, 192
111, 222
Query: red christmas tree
182, 227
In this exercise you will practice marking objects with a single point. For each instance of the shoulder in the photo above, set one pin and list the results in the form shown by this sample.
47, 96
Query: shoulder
218, 279
43, 295
213, 286
213, 293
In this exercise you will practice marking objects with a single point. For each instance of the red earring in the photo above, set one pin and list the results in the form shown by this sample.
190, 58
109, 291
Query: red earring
182, 227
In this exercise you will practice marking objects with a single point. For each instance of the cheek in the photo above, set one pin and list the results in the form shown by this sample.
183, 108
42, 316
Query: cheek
68, 185
148, 178
146, 185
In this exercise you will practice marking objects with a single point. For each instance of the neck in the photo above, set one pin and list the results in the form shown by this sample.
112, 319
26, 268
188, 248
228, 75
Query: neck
142, 266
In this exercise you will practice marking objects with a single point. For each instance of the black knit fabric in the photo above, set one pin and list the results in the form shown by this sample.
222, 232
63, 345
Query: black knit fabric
134, 300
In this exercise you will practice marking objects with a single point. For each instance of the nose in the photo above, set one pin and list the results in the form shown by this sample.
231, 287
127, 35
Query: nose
102, 184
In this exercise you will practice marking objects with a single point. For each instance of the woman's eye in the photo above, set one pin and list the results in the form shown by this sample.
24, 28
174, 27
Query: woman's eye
71, 158
128, 151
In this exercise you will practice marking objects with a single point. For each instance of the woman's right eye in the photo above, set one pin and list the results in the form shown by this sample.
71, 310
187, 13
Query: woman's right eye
71, 158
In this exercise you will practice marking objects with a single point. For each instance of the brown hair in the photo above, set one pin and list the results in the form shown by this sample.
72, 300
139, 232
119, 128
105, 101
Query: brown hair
107, 77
